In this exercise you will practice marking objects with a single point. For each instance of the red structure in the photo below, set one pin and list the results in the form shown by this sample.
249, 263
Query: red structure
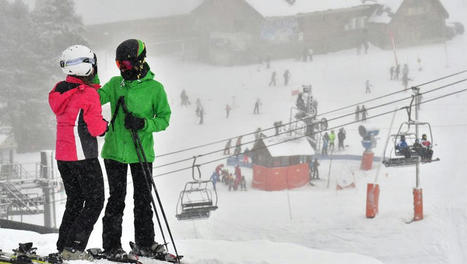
367, 160
281, 166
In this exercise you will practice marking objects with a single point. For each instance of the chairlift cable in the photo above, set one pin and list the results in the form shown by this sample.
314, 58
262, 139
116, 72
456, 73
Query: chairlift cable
299, 128
327, 129
325, 113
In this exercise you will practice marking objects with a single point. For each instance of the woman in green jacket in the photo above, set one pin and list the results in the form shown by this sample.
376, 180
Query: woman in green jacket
148, 112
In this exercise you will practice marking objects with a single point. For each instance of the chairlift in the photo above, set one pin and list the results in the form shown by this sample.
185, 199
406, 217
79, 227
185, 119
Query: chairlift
409, 156
198, 198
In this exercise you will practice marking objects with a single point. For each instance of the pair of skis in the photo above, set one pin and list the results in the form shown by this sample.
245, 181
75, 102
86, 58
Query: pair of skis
26, 254
97, 253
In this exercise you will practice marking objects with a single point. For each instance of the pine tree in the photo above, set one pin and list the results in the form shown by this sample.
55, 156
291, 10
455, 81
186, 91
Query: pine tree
31, 44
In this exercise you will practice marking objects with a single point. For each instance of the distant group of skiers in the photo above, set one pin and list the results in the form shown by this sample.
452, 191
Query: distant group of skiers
234, 183
395, 72
285, 75
330, 138
363, 44
139, 107
361, 113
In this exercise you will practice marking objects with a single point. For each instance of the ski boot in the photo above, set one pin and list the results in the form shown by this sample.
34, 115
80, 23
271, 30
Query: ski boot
74, 254
155, 251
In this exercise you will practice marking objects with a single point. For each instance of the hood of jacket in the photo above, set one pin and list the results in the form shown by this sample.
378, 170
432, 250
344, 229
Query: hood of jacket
61, 94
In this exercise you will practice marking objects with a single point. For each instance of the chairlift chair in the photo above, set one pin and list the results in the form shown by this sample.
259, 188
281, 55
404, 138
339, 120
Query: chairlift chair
198, 198
409, 157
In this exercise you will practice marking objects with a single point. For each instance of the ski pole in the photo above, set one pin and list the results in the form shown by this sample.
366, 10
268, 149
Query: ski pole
146, 171
145, 174
138, 140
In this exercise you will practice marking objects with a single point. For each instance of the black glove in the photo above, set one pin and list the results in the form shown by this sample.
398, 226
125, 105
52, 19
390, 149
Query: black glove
107, 129
133, 122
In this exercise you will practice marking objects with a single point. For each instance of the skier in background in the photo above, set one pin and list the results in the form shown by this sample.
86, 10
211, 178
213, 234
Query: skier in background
324, 151
238, 177
256, 108
391, 73
149, 112
238, 146
184, 98
214, 178
314, 169
368, 87
332, 138
75, 102
405, 70
357, 113
227, 147
397, 72
227, 110
272, 82
286, 77
341, 138
364, 113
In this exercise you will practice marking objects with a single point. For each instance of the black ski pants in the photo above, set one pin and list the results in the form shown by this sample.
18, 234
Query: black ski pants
84, 187
113, 218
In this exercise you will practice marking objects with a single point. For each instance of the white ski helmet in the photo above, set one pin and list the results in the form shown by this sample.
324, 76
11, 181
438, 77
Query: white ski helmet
78, 60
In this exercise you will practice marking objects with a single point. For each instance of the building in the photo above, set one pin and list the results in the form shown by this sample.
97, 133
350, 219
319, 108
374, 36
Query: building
281, 163
229, 32
408, 23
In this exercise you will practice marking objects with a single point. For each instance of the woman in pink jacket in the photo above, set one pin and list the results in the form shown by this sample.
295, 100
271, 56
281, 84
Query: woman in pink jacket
77, 107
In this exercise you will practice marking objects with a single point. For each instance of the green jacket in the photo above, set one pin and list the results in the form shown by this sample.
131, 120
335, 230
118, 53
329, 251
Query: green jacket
145, 98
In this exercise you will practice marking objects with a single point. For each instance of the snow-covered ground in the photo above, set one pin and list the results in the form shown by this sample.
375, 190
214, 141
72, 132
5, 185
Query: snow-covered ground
312, 224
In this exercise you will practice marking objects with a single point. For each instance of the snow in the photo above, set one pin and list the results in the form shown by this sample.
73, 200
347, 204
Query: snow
392, 4
291, 147
312, 224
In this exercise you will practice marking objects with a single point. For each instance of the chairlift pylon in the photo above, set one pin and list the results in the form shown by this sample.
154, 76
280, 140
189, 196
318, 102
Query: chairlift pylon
198, 198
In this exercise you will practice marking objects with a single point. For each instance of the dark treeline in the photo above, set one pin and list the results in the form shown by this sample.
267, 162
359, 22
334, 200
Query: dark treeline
31, 42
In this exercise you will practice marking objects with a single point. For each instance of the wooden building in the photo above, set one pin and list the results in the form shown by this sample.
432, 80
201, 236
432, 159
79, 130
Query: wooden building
228, 31
409, 23
162, 34
281, 163
336, 29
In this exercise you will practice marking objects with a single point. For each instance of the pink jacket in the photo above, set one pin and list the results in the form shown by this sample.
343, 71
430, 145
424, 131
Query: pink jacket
79, 119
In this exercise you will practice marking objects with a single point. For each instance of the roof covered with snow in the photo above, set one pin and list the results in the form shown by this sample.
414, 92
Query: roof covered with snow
285, 146
271, 8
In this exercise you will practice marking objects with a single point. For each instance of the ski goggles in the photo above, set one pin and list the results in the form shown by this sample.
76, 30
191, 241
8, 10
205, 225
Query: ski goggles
77, 61
124, 65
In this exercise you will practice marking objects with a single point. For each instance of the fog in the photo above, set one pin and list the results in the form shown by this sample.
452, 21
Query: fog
236, 67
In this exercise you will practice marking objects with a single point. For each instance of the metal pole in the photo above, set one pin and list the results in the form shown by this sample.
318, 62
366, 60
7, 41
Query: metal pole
417, 165
45, 189
290, 122
329, 171
54, 214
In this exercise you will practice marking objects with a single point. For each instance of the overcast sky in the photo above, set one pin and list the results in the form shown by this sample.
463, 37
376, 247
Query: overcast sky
103, 11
